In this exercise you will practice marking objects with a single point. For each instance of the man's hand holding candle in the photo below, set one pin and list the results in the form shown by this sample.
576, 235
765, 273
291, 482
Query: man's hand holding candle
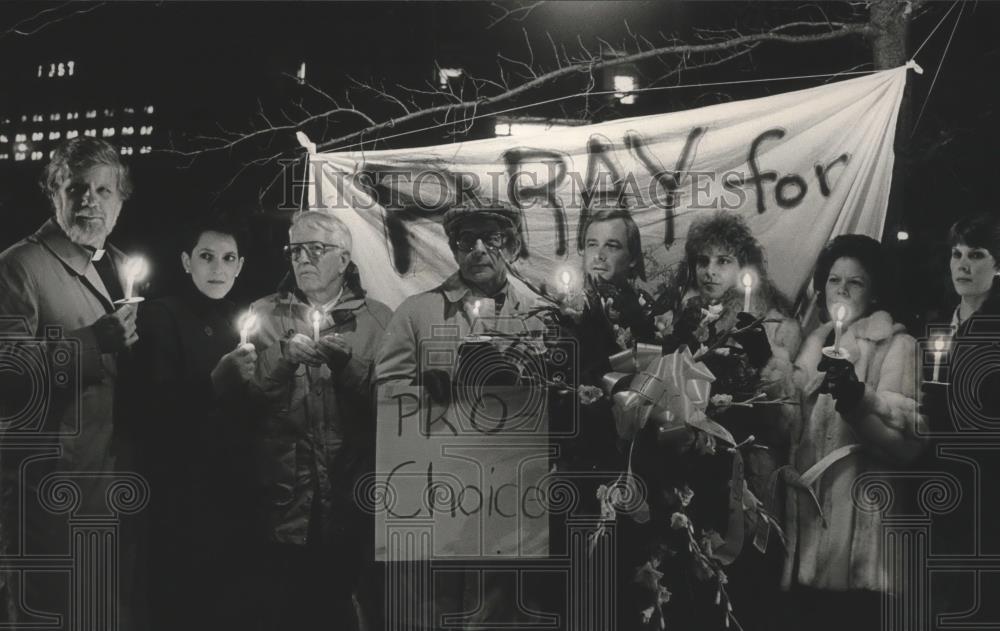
116, 331
336, 351
300, 349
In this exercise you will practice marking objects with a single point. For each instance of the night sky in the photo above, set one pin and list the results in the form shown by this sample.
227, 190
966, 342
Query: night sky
205, 65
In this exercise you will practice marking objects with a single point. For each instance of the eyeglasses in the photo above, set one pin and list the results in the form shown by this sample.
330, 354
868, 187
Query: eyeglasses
466, 240
313, 249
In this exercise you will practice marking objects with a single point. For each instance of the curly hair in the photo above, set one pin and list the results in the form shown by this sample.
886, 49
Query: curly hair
726, 231
873, 259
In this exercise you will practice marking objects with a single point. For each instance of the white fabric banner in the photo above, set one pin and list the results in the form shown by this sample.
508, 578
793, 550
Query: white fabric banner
800, 167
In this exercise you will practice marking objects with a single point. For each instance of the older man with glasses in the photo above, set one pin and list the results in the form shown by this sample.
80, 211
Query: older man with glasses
316, 344
485, 240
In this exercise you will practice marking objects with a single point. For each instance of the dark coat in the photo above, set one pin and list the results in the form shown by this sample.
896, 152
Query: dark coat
318, 424
196, 446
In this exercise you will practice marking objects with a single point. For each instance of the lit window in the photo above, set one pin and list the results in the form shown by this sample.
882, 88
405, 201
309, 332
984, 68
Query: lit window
72, 134
126, 151
149, 109
145, 149
300, 74
70, 65
109, 112
54, 135
91, 113
501, 129
90, 132
72, 116
20, 138
447, 74
37, 155
3, 138
22, 147
19, 156
128, 131
624, 88
145, 130
55, 116
37, 118
4, 156
107, 132
52, 152
129, 110
902, 235
24, 118
36, 136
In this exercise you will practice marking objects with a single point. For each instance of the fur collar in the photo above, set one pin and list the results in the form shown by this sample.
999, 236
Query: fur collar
876, 327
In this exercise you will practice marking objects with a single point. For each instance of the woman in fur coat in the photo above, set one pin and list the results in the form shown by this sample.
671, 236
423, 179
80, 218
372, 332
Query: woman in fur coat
859, 423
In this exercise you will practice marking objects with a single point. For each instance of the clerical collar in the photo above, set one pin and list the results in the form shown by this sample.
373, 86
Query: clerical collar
97, 255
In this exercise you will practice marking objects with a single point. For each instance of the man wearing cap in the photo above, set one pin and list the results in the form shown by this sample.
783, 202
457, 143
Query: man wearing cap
316, 343
484, 240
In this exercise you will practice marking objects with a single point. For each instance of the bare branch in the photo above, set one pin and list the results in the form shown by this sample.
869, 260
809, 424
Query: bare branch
24, 28
591, 64
520, 14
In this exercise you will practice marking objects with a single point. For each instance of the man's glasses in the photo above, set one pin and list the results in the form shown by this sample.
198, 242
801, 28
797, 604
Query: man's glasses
312, 249
466, 241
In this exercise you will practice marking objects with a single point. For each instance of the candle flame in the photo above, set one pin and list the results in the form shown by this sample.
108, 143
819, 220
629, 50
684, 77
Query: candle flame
475, 307
747, 280
566, 277
249, 321
939, 345
841, 313
316, 317
136, 268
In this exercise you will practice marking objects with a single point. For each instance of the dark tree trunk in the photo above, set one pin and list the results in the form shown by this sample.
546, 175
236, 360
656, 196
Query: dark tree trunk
890, 20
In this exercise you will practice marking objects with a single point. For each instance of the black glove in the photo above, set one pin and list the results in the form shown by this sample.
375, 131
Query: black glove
841, 383
753, 340
438, 385
934, 405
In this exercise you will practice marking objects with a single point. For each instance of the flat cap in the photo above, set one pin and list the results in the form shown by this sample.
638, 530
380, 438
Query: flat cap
501, 213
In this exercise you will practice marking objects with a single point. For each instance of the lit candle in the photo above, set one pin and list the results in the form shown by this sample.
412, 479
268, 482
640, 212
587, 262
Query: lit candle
316, 318
566, 277
839, 327
747, 288
938, 349
475, 309
135, 269
249, 321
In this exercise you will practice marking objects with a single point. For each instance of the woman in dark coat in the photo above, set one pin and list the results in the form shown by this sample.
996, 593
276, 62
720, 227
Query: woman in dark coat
975, 326
964, 401
196, 452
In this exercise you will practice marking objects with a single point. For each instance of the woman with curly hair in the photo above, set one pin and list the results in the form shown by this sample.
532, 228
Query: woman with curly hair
858, 417
750, 352
718, 252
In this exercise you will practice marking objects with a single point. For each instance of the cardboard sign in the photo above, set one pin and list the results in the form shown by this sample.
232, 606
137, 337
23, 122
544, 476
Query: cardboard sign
467, 480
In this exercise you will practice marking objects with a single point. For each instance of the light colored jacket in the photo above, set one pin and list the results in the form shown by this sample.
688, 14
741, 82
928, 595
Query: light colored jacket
427, 328
847, 552
50, 295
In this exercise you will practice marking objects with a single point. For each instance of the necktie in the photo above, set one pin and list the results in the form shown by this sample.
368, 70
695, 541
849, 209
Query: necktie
108, 276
